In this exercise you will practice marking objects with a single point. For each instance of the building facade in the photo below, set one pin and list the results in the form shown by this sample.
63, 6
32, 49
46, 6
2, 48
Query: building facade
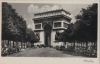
50, 23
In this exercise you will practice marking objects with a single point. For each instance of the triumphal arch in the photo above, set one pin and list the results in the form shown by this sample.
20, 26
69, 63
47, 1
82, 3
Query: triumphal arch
49, 23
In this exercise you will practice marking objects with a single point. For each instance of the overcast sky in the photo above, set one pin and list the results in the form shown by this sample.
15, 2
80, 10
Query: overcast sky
27, 10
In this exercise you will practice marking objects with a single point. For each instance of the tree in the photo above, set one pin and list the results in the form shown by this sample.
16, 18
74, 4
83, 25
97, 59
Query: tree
85, 28
8, 28
31, 36
13, 25
88, 23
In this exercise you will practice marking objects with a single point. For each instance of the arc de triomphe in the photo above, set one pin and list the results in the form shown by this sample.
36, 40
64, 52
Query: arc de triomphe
49, 23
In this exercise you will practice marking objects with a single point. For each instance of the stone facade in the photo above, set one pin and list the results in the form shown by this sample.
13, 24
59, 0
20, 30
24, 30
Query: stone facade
49, 23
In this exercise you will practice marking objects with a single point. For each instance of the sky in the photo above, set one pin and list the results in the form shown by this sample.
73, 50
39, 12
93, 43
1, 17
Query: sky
27, 10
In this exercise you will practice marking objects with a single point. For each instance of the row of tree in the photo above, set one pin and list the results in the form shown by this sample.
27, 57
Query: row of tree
85, 27
83, 33
14, 27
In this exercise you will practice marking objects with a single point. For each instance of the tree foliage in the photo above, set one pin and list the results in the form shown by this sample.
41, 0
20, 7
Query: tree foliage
85, 28
14, 26
30, 36
9, 28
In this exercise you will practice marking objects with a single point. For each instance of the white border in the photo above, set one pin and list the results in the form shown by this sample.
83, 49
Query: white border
52, 60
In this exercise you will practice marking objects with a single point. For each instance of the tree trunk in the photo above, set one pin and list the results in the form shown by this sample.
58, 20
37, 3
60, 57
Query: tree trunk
13, 44
74, 44
86, 45
24, 45
8, 44
21, 45
2, 43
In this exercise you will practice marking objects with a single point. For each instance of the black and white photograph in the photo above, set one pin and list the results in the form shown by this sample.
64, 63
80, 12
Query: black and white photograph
49, 30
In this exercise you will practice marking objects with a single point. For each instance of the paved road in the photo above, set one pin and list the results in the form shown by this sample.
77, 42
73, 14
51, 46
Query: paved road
40, 52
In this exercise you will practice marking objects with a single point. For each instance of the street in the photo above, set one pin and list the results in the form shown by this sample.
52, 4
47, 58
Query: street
40, 52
